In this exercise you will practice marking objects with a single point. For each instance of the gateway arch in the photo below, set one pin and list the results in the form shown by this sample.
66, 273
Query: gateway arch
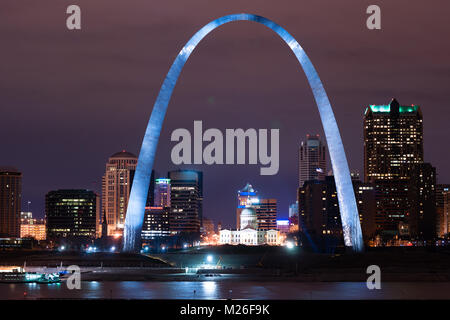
138, 196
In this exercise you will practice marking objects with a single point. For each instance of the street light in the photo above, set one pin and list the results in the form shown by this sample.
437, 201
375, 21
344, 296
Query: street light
209, 258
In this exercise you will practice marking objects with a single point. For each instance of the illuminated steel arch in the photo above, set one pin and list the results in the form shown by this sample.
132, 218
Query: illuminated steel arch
347, 203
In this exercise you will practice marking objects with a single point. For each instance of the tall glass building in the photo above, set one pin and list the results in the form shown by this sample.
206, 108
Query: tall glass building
162, 193
312, 164
442, 212
393, 147
186, 201
393, 141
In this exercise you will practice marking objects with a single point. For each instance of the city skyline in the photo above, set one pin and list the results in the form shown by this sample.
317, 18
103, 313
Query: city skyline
75, 157
282, 212
224, 158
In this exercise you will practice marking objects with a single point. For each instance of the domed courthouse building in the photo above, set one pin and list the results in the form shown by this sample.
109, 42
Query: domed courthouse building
248, 232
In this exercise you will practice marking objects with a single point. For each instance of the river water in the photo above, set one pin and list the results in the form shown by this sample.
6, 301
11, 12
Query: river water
225, 290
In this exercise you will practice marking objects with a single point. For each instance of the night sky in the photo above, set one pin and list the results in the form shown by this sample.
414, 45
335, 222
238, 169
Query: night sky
70, 99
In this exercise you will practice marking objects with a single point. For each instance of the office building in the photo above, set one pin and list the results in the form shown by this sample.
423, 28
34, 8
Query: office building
421, 219
186, 198
266, 213
156, 223
293, 209
393, 146
319, 215
162, 193
447, 211
71, 214
33, 228
442, 205
116, 187
393, 141
312, 164
10, 201
283, 225
365, 200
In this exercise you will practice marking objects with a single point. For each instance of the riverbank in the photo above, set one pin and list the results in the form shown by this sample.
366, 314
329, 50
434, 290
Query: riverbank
252, 274
234, 263
52, 259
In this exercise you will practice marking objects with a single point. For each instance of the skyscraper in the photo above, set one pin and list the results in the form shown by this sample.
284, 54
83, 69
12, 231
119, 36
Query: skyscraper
293, 217
442, 206
116, 186
319, 215
393, 146
319, 218
10, 201
393, 141
266, 213
162, 193
312, 164
446, 202
71, 214
365, 199
186, 197
422, 202
293, 209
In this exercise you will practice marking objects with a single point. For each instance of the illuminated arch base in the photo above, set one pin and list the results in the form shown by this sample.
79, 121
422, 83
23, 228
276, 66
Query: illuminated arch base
347, 203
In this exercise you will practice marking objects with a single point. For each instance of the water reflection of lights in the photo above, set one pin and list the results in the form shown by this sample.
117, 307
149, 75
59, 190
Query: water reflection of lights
95, 284
209, 288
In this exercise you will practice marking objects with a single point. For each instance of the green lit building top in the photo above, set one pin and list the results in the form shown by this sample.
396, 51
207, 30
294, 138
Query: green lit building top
393, 141
393, 147
387, 108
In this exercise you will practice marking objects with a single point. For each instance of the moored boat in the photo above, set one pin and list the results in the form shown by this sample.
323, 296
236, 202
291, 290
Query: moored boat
18, 275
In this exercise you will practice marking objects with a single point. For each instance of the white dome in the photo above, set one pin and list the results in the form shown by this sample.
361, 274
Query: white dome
248, 218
